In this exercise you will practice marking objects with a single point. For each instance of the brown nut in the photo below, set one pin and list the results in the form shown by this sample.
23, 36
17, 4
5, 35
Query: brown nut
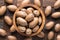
28, 38
21, 14
57, 4
3, 32
9, 1
8, 20
36, 12
2, 10
28, 31
24, 10
50, 35
57, 27
29, 10
34, 22
22, 21
48, 10
12, 8
58, 37
25, 2
21, 29
37, 2
56, 15
40, 20
29, 17
41, 35
12, 38
12, 29
35, 29
49, 25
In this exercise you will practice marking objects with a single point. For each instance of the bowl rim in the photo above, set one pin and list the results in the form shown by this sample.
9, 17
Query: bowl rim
43, 19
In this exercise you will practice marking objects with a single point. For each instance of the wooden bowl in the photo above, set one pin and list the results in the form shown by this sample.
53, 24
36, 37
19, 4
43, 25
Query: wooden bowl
42, 14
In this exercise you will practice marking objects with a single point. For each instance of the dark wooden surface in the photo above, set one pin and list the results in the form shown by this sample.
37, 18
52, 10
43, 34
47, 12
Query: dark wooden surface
19, 37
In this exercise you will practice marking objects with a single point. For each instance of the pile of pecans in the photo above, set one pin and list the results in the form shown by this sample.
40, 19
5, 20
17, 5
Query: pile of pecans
28, 20
51, 24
